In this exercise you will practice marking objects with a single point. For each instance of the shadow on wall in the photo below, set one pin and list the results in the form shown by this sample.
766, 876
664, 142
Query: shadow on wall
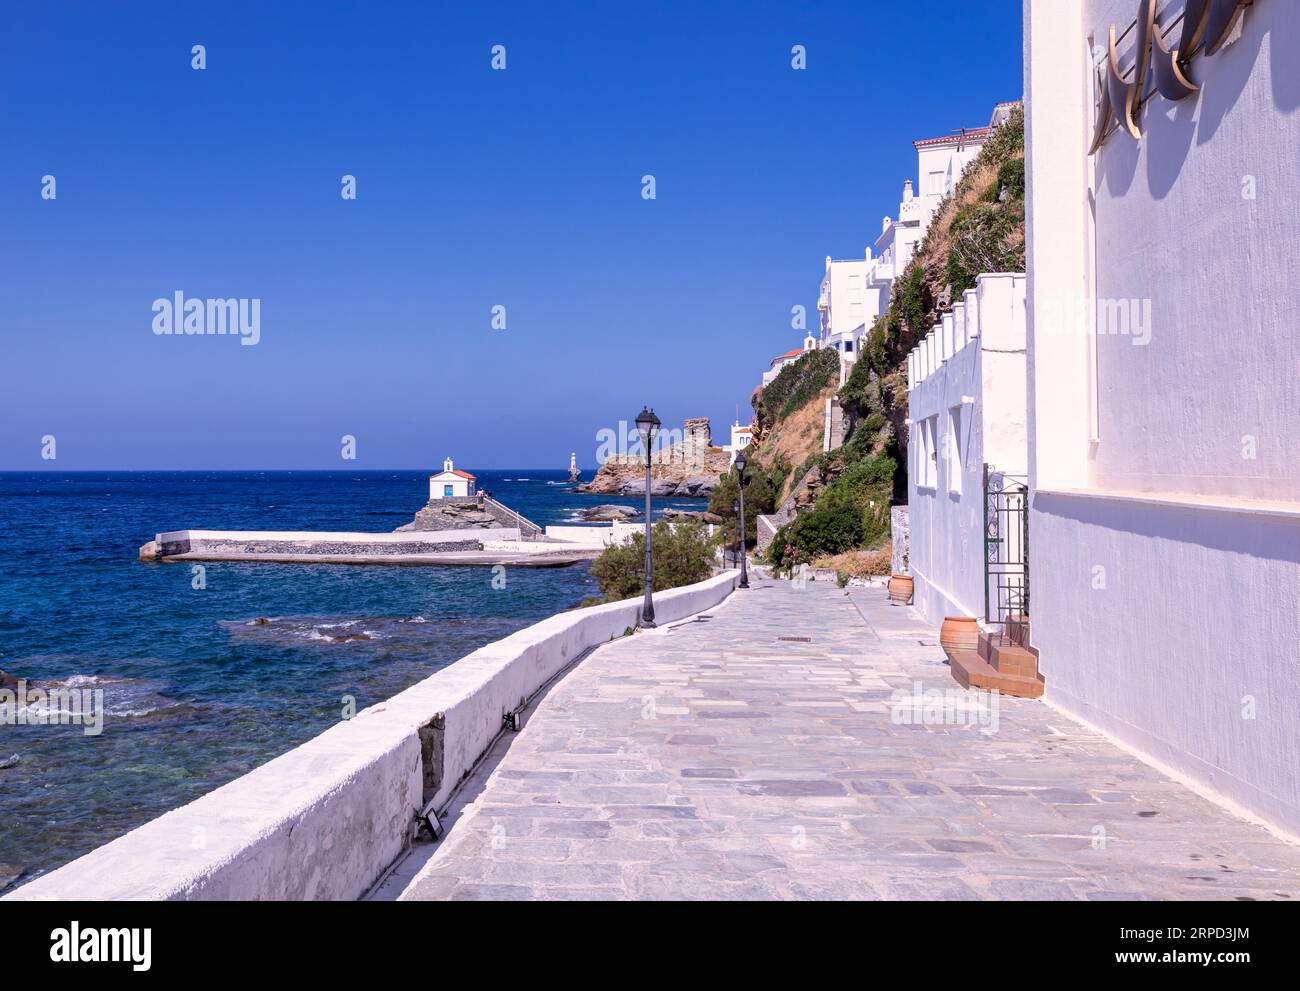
1174, 127
1257, 535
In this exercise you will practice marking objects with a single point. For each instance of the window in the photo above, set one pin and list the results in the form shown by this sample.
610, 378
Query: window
848, 347
446, 491
935, 183
927, 475
955, 456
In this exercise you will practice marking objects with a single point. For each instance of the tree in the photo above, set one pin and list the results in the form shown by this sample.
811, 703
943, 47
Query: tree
682, 556
760, 498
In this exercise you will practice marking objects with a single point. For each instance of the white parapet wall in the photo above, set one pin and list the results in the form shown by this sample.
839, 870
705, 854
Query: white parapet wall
326, 819
966, 410
595, 536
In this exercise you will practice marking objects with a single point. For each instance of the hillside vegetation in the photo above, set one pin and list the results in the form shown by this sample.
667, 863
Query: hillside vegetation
979, 227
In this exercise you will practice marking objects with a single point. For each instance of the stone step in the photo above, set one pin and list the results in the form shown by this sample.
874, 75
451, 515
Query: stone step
971, 671
1011, 658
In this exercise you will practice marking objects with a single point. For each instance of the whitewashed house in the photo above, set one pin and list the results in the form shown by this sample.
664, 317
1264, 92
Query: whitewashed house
451, 483
855, 292
1164, 403
967, 412
789, 358
844, 305
740, 439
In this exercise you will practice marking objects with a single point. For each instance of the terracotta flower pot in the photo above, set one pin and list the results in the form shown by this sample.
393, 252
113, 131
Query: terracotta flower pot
900, 589
959, 633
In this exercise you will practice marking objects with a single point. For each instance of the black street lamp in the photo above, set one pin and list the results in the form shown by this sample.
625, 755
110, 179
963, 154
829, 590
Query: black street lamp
647, 425
740, 468
735, 512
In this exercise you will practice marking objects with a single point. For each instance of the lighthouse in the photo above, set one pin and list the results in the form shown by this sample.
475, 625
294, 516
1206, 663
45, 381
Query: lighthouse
573, 467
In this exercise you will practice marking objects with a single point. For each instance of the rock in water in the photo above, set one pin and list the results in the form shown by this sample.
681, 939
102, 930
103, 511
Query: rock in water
7, 680
151, 551
609, 514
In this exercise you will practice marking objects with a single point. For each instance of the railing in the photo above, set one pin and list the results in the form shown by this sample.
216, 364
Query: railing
528, 530
1006, 546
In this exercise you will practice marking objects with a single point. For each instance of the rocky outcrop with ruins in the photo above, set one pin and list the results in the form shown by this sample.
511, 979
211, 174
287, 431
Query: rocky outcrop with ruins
689, 467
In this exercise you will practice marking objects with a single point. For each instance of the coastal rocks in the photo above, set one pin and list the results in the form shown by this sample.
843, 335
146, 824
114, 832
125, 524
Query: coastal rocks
8, 874
684, 514
698, 485
468, 514
7, 680
151, 551
627, 481
445, 514
609, 514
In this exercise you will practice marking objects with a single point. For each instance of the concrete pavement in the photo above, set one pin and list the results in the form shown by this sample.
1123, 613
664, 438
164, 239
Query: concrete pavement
810, 743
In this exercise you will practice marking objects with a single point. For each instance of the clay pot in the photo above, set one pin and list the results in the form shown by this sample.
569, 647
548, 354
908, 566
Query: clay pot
959, 633
900, 589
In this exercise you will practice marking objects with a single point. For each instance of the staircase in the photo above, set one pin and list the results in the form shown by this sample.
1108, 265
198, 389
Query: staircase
1003, 662
528, 530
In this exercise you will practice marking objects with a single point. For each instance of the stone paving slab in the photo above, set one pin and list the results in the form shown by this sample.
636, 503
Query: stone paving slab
714, 760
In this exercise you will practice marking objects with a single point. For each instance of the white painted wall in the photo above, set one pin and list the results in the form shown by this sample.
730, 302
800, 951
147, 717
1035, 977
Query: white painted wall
842, 301
1166, 562
984, 340
324, 820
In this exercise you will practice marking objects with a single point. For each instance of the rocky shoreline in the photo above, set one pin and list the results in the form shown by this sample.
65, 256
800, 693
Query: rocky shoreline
665, 480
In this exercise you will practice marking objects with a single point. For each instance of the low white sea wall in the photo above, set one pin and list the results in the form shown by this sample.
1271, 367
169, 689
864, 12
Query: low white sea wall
322, 541
325, 820
595, 536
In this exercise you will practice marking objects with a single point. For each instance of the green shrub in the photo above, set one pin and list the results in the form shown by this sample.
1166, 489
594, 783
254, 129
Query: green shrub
760, 498
981, 242
831, 526
681, 552
1011, 181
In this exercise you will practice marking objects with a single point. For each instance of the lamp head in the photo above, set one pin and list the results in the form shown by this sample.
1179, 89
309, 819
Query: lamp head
647, 425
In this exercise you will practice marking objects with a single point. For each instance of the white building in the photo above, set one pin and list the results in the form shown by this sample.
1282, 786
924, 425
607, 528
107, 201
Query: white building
844, 304
855, 292
451, 483
1164, 424
740, 439
966, 406
781, 360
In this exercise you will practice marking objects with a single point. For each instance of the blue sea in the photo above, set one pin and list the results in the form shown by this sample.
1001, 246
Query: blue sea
196, 690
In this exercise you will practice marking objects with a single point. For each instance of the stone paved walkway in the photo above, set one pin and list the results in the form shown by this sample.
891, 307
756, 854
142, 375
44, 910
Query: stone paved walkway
715, 759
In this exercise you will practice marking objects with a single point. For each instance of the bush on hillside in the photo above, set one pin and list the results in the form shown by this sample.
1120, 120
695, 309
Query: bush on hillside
795, 385
983, 240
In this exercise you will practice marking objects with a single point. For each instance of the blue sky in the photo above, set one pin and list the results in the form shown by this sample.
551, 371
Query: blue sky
475, 188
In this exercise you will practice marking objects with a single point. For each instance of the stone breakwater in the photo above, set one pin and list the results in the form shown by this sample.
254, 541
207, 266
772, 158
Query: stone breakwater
216, 544
477, 547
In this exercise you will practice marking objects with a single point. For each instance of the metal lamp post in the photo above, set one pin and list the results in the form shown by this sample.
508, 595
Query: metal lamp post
647, 425
740, 468
735, 512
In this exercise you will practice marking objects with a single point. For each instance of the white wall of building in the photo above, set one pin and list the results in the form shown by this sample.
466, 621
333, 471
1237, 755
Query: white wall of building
843, 303
1165, 461
981, 356
448, 484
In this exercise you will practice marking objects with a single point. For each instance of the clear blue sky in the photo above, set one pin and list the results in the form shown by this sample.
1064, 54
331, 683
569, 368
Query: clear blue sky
475, 188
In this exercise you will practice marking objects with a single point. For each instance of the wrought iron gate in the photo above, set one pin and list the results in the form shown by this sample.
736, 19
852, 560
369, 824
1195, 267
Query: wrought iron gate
1006, 545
